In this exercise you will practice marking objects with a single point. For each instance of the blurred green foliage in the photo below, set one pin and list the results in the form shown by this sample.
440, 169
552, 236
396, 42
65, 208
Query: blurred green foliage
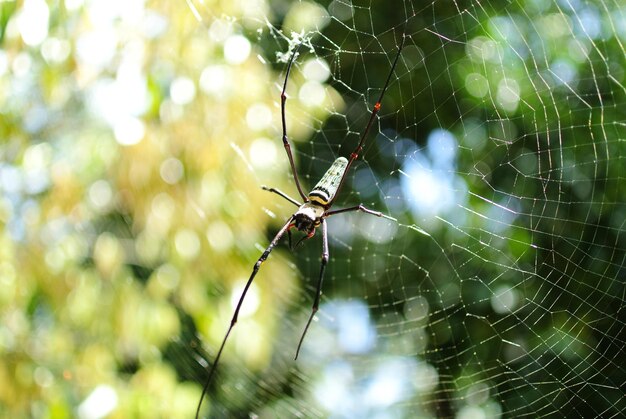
134, 138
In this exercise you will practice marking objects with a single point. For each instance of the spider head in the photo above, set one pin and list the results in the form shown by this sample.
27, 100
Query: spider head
308, 218
304, 223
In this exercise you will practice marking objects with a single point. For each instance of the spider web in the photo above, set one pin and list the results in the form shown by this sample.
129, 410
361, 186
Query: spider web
137, 136
500, 290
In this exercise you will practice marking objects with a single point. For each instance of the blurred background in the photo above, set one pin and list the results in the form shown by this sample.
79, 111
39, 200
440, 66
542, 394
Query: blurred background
135, 136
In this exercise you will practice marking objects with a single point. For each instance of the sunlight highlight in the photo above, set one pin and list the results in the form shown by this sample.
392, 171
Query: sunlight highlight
312, 93
316, 69
182, 90
258, 116
263, 153
33, 22
102, 401
215, 80
220, 236
236, 49
356, 333
430, 183
508, 95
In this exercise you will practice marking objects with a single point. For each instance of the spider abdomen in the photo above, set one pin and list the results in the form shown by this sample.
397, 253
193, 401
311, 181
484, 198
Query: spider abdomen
326, 189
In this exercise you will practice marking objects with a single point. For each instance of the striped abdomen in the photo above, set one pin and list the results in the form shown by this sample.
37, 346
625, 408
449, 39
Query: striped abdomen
326, 188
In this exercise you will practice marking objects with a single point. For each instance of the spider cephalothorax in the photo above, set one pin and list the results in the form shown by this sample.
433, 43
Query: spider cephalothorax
312, 213
308, 218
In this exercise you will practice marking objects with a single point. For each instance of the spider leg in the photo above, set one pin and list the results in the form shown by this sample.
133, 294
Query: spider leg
289, 239
361, 208
302, 240
256, 268
318, 293
283, 99
370, 122
281, 193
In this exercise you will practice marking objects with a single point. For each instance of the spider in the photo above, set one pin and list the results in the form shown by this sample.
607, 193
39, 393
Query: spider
311, 213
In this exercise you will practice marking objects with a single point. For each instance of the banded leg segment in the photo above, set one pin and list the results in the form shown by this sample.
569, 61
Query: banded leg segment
233, 321
283, 100
318, 293
281, 193
370, 122
361, 208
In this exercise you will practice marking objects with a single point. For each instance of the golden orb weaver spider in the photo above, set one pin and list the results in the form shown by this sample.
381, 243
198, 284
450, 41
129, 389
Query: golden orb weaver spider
311, 213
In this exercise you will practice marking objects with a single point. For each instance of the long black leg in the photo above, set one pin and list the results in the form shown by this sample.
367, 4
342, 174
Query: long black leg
359, 208
289, 239
256, 268
318, 293
359, 147
281, 193
283, 99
